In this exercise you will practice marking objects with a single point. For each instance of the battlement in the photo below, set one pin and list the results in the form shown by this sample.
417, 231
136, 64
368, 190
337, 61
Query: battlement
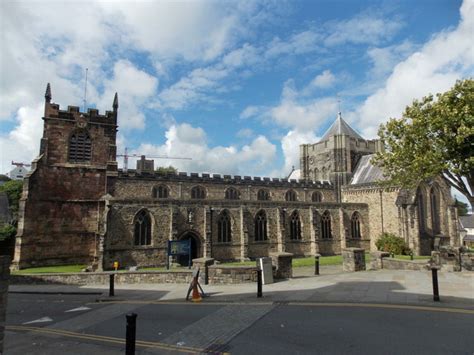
224, 179
73, 113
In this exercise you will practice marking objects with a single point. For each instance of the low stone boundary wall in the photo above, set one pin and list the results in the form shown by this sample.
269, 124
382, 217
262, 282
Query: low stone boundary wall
219, 274
102, 278
396, 264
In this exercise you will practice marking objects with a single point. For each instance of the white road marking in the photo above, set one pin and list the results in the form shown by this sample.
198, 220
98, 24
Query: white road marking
78, 309
40, 320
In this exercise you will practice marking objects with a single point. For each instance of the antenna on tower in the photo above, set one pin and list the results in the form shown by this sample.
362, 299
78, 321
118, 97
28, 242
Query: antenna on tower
85, 91
338, 103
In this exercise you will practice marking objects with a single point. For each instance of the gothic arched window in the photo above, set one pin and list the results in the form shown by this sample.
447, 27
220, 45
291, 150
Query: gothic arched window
142, 228
326, 225
198, 192
261, 226
160, 192
262, 195
316, 196
434, 202
80, 147
290, 195
224, 228
355, 225
231, 194
295, 226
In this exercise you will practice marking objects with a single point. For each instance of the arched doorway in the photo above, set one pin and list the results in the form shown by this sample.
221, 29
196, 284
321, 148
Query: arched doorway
183, 260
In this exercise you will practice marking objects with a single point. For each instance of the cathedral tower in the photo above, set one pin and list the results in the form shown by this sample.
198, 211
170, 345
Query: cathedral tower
60, 209
335, 156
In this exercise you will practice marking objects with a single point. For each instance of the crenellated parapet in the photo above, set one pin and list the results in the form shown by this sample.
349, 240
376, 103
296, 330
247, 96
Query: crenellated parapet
73, 113
225, 179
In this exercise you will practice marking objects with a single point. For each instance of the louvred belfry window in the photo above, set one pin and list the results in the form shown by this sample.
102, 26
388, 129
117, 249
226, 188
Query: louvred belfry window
80, 147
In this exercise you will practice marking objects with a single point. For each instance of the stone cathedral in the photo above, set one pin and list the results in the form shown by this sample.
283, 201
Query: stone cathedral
78, 207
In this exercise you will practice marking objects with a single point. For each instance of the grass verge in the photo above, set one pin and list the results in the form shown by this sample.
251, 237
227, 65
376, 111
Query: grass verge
51, 269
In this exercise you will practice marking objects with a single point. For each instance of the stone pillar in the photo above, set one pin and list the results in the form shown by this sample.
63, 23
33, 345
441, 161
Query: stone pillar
244, 237
342, 229
283, 264
353, 259
4, 280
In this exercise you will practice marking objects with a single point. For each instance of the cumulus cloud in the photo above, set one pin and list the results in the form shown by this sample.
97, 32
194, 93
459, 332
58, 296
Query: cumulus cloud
323, 80
290, 145
23, 141
365, 28
254, 158
135, 87
435, 67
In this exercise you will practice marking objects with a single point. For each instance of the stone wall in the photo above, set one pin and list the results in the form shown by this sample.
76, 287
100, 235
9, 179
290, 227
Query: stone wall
382, 213
4, 281
218, 274
92, 278
395, 264
174, 219
232, 274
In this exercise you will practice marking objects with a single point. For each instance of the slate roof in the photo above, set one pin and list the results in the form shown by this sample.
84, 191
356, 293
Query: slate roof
467, 221
366, 172
340, 127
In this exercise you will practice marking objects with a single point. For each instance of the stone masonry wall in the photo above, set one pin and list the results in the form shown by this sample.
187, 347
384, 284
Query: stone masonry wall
382, 213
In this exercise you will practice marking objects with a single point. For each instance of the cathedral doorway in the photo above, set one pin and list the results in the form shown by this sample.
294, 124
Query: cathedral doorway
183, 260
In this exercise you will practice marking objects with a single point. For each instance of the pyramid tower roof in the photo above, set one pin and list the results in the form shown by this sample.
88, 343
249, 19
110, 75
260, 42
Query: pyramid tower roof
340, 127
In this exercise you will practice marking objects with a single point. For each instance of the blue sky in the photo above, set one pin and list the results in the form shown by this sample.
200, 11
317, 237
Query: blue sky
236, 86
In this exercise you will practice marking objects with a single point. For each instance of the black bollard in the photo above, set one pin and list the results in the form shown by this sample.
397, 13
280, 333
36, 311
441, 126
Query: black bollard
259, 283
316, 264
111, 285
206, 274
434, 274
131, 334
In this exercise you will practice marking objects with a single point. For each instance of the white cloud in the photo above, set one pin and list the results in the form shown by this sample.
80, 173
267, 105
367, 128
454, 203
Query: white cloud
254, 158
448, 56
134, 87
324, 80
290, 145
365, 28
22, 143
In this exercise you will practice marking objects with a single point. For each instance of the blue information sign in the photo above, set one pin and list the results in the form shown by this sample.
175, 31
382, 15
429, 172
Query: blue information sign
179, 247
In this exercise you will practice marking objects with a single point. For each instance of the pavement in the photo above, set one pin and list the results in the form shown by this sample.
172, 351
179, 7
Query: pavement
393, 287
369, 312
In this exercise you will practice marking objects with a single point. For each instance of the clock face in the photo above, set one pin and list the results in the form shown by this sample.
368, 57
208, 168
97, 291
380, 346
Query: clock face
311, 160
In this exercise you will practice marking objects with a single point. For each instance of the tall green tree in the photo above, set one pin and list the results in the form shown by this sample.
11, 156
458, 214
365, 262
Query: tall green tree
13, 189
434, 137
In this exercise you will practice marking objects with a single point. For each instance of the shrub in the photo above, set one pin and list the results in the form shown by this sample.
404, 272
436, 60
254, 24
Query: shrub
391, 243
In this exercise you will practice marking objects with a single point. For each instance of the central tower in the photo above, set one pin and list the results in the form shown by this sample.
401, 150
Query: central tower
335, 156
